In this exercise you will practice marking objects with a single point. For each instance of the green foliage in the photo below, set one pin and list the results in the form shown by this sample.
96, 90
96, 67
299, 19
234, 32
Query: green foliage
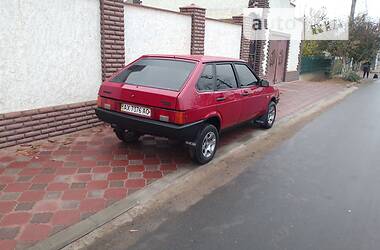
363, 43
337, 67
364, 39
351, 76
312, 48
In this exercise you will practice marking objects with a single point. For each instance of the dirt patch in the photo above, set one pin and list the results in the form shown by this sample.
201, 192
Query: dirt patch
337, 80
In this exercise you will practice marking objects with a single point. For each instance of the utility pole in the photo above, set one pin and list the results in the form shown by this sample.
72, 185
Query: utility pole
352, 14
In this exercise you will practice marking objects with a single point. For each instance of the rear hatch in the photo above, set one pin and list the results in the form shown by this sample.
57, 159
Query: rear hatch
148, 85
135, 94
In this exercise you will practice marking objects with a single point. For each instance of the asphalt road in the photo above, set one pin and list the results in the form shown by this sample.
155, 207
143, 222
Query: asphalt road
319, 189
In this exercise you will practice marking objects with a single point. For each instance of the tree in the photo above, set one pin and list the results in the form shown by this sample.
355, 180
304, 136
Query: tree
362, 45
312, 48
364, 39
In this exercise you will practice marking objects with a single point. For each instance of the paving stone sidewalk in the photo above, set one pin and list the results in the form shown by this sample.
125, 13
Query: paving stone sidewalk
51, 184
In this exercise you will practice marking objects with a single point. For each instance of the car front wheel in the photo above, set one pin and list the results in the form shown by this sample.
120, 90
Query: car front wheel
270, 116
205, 144
126, 135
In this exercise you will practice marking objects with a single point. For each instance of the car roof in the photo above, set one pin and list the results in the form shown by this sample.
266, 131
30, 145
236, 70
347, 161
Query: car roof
199, 58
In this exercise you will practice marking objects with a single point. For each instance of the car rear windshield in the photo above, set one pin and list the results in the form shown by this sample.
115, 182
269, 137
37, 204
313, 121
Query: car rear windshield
156, 73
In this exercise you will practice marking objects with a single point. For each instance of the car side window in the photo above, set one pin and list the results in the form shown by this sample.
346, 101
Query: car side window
246, 77
207, 80
225, 77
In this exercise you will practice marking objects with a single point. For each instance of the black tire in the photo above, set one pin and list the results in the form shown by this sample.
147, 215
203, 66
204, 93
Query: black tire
206, 144
126, 136
269, 118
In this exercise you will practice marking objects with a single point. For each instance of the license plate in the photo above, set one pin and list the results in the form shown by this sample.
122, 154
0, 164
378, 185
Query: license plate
137, 110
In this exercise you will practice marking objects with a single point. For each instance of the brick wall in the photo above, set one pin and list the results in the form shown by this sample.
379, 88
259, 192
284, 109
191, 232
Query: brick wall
245, 43
258, 58
26, 126
112, 36
30, 125
259, 45
198, 15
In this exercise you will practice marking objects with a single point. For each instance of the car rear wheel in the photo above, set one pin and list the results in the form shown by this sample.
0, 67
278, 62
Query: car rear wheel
126, 135
205, 144
269, 118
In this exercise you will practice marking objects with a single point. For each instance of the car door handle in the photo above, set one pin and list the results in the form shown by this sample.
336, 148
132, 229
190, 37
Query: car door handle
219, 99
245, 93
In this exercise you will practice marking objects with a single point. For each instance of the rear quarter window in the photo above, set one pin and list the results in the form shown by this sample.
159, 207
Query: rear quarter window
157, 73
206, 81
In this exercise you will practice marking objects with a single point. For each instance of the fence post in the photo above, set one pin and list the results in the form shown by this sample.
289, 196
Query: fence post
244, 43
198, 25
112, 36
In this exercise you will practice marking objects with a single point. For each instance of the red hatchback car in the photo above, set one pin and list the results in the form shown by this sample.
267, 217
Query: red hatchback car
191, 98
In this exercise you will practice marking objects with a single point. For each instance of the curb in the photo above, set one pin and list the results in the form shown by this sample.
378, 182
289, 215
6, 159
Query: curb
120, 209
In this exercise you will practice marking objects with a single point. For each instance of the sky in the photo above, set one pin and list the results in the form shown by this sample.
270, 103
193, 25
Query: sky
342, 7
373, 7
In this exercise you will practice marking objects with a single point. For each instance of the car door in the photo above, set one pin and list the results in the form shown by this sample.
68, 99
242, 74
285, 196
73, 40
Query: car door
227, 94
205, 101
253, 98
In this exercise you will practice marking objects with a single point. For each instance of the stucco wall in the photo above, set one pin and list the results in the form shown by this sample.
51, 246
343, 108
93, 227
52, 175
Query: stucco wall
280, 4
294, 50
50, 53
264, 63
215, 8
222, 39
150, 31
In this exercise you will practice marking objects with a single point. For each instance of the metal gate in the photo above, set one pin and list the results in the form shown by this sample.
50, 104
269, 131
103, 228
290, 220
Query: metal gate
278, 50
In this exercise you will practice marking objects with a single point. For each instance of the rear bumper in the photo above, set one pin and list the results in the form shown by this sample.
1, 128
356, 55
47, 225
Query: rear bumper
186, 132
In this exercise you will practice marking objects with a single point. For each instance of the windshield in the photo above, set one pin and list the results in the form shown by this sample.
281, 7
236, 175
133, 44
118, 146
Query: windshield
156, 73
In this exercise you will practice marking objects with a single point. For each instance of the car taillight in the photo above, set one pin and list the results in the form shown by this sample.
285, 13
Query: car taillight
107, 103
99, 102
179, 118
171, 116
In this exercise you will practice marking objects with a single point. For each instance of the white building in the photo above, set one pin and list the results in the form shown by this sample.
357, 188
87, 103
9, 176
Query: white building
280, 59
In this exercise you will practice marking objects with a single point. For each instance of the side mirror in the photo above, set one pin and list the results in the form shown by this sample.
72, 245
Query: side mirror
264, 83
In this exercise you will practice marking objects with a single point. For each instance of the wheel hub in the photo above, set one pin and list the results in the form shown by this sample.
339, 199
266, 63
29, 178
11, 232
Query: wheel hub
271, 115
208, 144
